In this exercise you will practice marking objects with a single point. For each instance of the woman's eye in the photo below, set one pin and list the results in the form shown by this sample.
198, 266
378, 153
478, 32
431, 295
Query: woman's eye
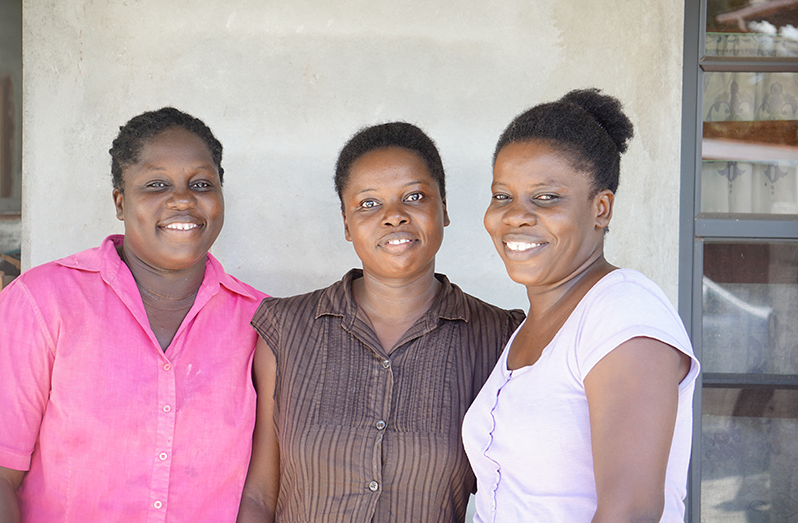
414, 197
546, 198
201, 185
368, 204
156, 185
500, 197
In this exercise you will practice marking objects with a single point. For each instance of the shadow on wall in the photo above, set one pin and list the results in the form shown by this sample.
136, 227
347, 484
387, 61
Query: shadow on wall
10, 233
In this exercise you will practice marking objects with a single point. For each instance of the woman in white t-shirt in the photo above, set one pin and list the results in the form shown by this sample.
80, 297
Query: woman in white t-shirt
587, 416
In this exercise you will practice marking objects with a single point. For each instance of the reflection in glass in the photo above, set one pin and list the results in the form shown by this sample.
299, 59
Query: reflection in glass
750, 143
752, 28
749, 455
750, 308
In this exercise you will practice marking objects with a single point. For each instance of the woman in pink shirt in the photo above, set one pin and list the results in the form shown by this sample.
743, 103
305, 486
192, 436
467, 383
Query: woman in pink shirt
125, 369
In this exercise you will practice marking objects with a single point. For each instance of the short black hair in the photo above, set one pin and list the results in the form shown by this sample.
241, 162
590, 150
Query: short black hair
142, 128
382, 136
588, 127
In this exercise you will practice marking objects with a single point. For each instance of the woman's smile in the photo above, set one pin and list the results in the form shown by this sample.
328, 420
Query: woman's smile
397, 243
521, 250
181, 226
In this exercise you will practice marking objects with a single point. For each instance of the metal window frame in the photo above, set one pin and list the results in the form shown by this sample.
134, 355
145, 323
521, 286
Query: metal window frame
695, 228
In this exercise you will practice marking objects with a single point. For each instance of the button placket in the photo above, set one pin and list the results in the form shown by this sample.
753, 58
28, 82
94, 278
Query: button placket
382, 409
165, 415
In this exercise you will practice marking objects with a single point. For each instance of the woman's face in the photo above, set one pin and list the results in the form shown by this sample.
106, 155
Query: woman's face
542, 219
393, 214
172, 203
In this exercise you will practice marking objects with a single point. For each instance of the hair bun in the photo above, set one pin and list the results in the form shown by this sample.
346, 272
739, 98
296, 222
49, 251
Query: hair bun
607, 111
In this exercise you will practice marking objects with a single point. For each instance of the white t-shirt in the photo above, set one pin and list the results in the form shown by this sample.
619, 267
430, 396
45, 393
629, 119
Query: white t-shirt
527, 434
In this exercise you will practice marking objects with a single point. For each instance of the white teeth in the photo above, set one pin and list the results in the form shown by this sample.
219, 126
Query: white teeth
521, 246
181, 226
398, 242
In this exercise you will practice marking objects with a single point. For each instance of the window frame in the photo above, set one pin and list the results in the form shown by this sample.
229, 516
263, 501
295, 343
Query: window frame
696, 228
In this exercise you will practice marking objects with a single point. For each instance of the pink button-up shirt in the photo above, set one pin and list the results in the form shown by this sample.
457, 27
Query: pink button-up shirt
109, 426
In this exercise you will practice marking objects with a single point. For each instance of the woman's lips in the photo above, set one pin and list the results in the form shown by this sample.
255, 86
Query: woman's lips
397, 243
517, 246
521, 250
181, 226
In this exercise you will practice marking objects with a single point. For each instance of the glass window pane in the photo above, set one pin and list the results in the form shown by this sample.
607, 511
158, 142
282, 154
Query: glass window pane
750, 308
752, 28
749, 455
750, 143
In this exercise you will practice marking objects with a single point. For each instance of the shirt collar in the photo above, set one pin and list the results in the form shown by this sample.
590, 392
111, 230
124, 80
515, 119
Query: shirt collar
105, 260
338, 300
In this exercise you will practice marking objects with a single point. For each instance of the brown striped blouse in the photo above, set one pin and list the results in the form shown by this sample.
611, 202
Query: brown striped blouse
367, 434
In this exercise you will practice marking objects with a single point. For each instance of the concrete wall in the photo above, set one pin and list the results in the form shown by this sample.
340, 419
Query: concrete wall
284, 84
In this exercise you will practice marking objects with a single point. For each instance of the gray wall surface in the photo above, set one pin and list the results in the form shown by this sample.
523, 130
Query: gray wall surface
284, 84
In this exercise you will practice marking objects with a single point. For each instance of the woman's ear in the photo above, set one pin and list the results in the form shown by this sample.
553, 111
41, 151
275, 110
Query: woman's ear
445, 214
346, 228
603, 203
119, 203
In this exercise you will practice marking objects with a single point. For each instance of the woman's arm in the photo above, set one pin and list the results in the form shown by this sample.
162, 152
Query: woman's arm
9, 482
633, 396
259, 499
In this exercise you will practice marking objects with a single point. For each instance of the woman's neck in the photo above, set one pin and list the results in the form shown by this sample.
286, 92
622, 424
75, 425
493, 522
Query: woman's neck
565, 295
396, 299
392, 307
162, 284
549, 309
167, 295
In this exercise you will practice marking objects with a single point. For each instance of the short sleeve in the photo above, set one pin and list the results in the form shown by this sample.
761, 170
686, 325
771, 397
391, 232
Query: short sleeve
266, 324
626, 309
26, 364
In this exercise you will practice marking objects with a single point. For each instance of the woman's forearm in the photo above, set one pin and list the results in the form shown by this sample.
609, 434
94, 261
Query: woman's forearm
253, 510
9, 507
643, 511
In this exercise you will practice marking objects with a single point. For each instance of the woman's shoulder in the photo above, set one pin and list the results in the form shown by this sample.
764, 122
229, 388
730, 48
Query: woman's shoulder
626, 304
302, 306
627, 287
63, 274
625, 298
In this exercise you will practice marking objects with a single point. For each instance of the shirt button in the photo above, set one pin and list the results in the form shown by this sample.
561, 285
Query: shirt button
167, 367
386, 364
157, 504
380, 425
374, 486
167, 408
162, 456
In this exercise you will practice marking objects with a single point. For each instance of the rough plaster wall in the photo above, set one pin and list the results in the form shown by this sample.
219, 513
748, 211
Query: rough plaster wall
639, 58
283, 85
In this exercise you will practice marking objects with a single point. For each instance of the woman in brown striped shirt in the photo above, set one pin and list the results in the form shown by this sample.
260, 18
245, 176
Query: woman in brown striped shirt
362, 386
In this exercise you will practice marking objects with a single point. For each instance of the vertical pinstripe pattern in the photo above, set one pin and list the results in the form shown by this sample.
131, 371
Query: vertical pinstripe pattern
335, 383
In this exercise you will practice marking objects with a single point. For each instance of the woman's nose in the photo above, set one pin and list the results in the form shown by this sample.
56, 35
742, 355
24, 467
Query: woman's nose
394, 214
182, 198
519, 215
